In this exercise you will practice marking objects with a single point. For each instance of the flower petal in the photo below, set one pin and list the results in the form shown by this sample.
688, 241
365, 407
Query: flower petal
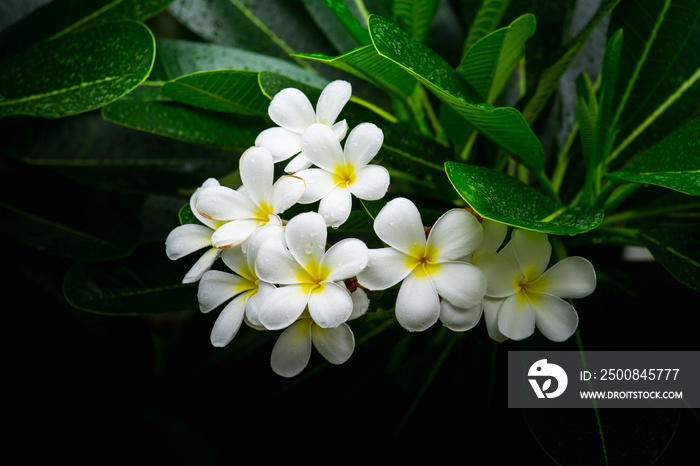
186, 239
385, 268
291, 109
516, 318
282, 306
224, 203
555, 318
502, 274
257, 172
345, 259
292, 349
275, 264
336, 345
340, 129
330, 305
418, 304
371, 182
286, 192
306, 235
332, 100
571, 277
193, 200
267, 232
203, 264
298, 163
494, 234
460, 319
460, 283
399, 225
491, 308
229, 322
335, 207
532, 250
282, 143
318, 184
252, 308
363, 143
217, 287
320, 145
233, 233
455, 234
360, 303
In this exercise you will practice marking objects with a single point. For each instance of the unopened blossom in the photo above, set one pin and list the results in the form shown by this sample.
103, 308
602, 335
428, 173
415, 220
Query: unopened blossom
308, 275
433, 276
292, 350
523, 294
342, 172
241, 290
188, 238
292, 111
257, 202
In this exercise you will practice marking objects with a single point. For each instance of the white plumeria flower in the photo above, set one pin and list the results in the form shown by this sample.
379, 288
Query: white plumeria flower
292, 349
308, 274
242, 289
523, 294
186, 239
258, 202
430, 268
292, 111
342, 173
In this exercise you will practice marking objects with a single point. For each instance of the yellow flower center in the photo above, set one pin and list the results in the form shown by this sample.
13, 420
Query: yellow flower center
423, 261
528, 291
264, 211
344, 175
312, 277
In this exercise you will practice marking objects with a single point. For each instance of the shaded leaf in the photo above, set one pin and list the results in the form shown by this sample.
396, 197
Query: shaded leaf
78, 72
677, 249
415, 16
329, 14
673, 163
487, 19
178, 57
56, 18
505, 199
145, 283
489, 62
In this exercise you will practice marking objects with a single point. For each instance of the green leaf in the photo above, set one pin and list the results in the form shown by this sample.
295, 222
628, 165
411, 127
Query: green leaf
367, 64
185, 123
487, 19
60, 17
678, 250
505, 199
415, 16
231, 91
673, 163
550, 77
178, 57
504, 126
329, 14
488, 63
655, 33
78, 72
145, 283
274, 27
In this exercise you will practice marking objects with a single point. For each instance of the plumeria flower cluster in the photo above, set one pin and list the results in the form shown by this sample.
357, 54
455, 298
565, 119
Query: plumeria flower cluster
280, 274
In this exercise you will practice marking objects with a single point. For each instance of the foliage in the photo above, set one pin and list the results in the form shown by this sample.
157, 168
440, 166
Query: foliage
114, 112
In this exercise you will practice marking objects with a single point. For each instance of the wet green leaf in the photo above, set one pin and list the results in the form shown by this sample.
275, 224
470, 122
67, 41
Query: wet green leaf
504, 126
498, 196
232, 91
78, 72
